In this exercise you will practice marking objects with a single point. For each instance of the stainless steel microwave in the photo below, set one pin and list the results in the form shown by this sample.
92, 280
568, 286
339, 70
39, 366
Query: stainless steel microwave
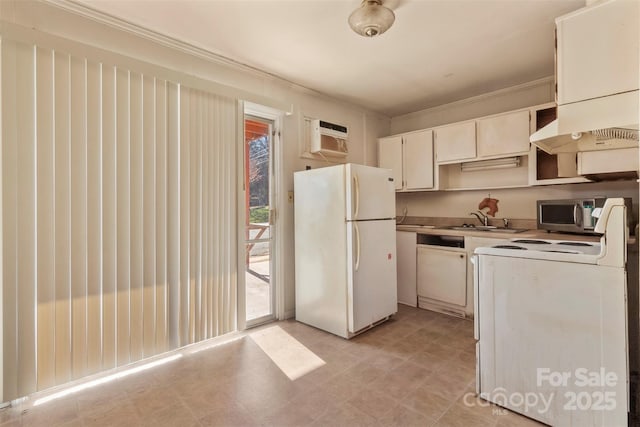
568, 215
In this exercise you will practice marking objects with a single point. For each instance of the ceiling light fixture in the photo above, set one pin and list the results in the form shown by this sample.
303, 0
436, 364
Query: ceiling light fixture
371, 18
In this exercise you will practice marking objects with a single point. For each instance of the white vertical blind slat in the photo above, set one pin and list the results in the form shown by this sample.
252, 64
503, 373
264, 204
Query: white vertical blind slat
9, 217
185, 213
204, 178
136, 205
62, 215
193, 210
78, 218
212, 219
26, 221
174, 248
117, 220
123, 219
161, 215
94, 218
149, 215
197, 234
109, 218
46, 221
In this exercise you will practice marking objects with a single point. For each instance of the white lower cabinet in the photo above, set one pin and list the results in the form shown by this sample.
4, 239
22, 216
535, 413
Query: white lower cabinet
406, 261
442, 279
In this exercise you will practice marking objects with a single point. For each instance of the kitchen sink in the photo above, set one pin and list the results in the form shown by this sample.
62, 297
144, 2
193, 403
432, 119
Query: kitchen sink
489, 228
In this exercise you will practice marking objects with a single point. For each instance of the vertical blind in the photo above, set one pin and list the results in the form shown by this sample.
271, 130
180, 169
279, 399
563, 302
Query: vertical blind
118, 211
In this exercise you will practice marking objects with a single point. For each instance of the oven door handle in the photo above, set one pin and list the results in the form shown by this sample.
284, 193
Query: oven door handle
476, 295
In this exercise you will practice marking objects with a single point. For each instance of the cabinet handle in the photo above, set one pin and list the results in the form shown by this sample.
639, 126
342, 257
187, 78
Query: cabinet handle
461, 256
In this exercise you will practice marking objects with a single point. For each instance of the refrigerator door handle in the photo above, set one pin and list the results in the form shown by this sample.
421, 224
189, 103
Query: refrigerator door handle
357, 230
357, 195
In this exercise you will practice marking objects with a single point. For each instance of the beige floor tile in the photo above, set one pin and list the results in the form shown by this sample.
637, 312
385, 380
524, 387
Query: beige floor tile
345, 415
118, 415
446, 385
374, 402
427, 402
511, 419
53, 413
231, 415
402, 380
315, 403
402, 416
459, 416
174, 415
342, 388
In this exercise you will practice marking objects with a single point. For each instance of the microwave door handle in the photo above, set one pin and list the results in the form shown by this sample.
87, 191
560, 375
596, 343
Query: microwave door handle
577, 215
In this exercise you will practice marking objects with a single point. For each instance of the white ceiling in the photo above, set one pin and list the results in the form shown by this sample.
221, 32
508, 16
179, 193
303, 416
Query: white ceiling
437, 51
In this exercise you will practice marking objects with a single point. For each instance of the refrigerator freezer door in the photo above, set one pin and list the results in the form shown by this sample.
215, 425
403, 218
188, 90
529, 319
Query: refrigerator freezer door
372, 289
371, 193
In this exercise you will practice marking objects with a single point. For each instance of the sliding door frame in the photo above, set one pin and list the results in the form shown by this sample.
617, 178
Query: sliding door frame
246, 109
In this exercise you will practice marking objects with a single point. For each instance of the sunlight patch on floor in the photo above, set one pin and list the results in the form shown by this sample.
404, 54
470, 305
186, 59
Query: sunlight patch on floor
291, 356
67, 390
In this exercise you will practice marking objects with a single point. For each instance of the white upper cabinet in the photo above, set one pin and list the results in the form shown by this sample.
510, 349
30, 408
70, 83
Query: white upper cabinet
455, 142
418, 160
503, 135
410, 157
390, 157
598, 51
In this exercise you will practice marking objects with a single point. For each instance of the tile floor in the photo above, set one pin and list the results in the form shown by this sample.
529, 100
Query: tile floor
414, 370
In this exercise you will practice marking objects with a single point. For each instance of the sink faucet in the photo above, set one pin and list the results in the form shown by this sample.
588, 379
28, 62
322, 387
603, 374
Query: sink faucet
484, 220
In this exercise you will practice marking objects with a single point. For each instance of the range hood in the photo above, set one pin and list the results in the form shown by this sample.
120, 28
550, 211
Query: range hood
606, 122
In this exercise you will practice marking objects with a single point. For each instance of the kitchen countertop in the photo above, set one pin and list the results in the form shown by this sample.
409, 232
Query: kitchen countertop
528, 234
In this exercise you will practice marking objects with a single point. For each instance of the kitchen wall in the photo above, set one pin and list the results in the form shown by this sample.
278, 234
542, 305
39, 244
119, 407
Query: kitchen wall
518, 203
72, 28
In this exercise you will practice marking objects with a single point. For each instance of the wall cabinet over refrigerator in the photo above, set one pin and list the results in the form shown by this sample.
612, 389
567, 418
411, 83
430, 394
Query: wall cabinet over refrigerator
410, 157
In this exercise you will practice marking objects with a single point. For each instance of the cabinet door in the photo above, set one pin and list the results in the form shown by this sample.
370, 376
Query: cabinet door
504, 134
456, 142
418, 160
598, 51
390, 157
442, 275
608, 161
406, 259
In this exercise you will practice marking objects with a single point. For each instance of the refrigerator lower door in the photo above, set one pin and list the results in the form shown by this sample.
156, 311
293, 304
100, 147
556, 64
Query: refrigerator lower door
371, 193
372, 288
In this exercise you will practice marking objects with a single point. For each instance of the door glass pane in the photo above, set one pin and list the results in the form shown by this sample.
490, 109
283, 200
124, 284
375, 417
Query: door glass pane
259, 293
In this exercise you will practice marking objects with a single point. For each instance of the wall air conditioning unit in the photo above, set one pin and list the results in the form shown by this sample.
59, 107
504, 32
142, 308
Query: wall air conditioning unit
328, 139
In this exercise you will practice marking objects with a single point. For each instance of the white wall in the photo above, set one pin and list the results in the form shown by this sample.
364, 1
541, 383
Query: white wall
70, 27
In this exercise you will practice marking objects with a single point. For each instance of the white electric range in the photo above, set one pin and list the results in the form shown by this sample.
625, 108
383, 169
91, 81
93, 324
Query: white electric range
551, 326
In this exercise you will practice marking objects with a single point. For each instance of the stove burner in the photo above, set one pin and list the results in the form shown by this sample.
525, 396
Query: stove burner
575, 244
531, 242
510, 247
561, 251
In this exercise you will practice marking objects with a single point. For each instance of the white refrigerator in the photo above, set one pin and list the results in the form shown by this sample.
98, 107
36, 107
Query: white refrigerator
345, 248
